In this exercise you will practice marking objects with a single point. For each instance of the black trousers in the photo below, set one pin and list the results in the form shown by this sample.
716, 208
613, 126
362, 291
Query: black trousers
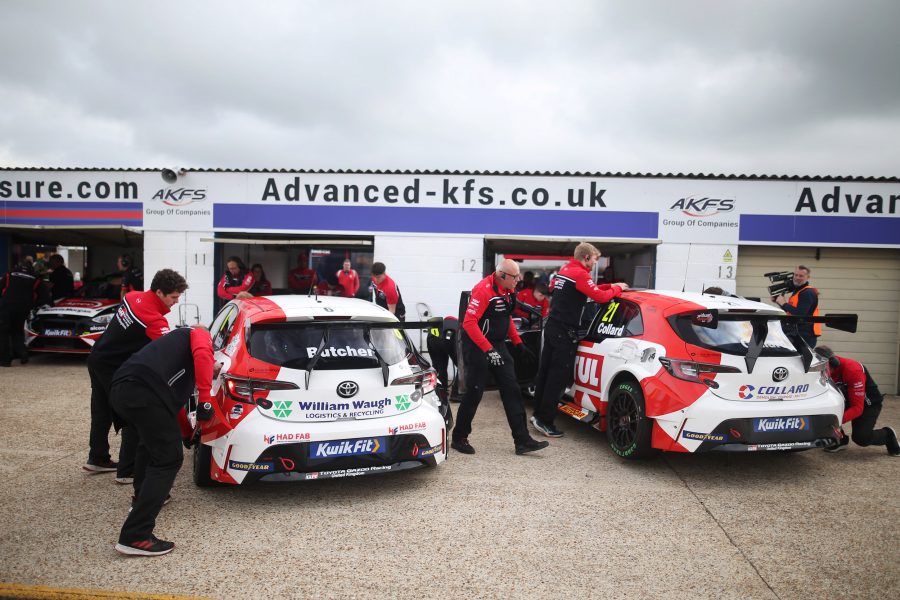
556, 370
12, 333
476, 373
864, 432
102, 418
441, 351
159, 454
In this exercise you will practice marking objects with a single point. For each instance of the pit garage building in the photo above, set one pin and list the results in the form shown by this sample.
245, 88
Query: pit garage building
439, 232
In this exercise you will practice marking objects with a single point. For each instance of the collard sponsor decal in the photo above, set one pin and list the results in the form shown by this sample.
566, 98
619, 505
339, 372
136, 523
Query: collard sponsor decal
769, 424
357, 447
773, 392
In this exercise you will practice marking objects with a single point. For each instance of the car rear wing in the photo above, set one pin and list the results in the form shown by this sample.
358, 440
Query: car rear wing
367, 326
789, 323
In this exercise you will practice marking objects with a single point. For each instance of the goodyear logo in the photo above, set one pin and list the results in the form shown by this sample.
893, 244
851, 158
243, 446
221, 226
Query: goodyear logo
250, 466
704, 437
767, 424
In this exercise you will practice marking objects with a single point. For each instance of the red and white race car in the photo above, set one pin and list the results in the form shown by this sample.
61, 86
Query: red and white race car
73, 325
315, 387
692, 373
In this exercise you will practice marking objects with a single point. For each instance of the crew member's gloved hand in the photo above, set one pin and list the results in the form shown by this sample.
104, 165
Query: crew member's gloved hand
493, 357
525, 353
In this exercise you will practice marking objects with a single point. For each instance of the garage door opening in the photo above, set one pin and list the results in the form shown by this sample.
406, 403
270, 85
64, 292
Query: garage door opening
278, 254
633, 262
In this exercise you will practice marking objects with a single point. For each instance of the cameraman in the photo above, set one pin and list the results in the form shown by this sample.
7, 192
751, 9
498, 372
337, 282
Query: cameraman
803, 302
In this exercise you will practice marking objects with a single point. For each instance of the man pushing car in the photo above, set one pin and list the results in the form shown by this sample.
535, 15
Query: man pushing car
148, 392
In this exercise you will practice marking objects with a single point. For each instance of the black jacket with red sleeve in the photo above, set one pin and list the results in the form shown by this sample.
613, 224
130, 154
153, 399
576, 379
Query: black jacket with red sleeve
139, 319
570, 289
488, 319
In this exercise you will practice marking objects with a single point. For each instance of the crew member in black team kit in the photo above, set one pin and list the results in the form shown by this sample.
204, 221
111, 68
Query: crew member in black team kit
139, 319
148, 391
569, 291
487, 323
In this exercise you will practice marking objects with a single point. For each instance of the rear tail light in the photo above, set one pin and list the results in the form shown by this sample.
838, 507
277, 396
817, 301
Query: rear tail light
696, 372
425, 380
242, 390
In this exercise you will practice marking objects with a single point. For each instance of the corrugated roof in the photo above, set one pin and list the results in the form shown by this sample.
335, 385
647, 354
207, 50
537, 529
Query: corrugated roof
627, 174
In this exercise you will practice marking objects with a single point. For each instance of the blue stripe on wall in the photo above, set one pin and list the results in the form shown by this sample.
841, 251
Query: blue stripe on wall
820, 229
439, 220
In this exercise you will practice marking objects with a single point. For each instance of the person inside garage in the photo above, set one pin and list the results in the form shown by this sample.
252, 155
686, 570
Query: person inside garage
385, 292
302, 280
571, 288
20, 291
261, 284
348, 280
804, 302
863, 403
532, 304
139, 319
61, 280
132, 276
487, 324
148, 391
237, 279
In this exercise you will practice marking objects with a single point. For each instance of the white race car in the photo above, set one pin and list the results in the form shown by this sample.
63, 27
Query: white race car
695, 373
315, 387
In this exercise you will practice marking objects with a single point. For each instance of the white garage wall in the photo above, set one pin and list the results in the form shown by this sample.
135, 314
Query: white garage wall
431, 270
185, 253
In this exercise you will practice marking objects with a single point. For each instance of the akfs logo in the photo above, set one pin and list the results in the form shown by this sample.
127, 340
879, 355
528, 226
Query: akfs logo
180, 196
703, 207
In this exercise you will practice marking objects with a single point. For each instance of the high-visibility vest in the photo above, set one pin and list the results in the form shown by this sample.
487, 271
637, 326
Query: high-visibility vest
795, 299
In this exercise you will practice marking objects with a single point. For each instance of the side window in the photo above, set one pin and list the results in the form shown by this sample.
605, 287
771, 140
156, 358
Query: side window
616, 318
221, 326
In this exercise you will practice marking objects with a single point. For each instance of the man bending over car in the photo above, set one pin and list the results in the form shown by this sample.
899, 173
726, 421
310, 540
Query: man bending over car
149, 391
139, 319
863, 403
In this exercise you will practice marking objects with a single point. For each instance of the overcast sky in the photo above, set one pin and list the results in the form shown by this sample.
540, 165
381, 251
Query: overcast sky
792, 87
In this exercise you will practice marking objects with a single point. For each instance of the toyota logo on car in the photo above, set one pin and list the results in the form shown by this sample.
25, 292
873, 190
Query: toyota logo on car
347, 389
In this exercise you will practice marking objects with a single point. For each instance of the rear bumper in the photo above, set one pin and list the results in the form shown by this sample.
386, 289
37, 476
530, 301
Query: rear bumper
742, 435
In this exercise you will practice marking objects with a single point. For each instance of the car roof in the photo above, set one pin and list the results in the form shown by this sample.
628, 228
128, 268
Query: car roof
664, 299
298, 307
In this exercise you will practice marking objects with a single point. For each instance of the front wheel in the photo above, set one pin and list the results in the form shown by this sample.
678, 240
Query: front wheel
628, 427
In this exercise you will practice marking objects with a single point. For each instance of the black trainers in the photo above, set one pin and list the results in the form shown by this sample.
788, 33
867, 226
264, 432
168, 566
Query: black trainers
463, 446
530, 445
893, 446
548, 430
842, 445
152, 546
101, 466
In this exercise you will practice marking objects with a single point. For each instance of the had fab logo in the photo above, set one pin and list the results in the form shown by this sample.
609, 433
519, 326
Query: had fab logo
693, 206
745, 392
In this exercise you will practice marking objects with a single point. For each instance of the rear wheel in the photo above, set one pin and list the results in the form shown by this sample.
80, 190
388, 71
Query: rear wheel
628, 427
202, 462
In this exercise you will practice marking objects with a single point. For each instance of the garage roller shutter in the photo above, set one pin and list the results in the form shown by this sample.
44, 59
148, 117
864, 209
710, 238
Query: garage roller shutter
865, 281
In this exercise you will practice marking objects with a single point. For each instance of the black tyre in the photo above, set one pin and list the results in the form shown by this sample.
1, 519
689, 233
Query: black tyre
628, 428
202, 461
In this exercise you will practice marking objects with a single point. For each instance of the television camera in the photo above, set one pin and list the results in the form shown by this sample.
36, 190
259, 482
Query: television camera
782, 282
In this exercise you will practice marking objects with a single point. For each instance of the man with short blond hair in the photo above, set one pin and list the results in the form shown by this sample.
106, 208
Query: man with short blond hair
570, 290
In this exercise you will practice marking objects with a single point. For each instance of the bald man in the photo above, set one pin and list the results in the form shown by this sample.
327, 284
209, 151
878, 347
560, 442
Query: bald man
487, 324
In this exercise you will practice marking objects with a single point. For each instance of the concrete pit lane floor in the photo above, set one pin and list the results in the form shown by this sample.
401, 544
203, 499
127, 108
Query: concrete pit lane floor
570, 521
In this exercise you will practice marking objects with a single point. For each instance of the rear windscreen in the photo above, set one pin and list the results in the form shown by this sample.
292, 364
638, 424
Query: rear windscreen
733, 337
294, 346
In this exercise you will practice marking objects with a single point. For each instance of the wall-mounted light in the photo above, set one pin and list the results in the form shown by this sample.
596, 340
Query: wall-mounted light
171, 175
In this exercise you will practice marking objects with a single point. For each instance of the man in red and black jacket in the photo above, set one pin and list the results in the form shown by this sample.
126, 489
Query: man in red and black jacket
385, 292
149, 391
570, 290
237, 279
302, 280
487, 324
20, 291
140, 318
532, 303
862, 403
